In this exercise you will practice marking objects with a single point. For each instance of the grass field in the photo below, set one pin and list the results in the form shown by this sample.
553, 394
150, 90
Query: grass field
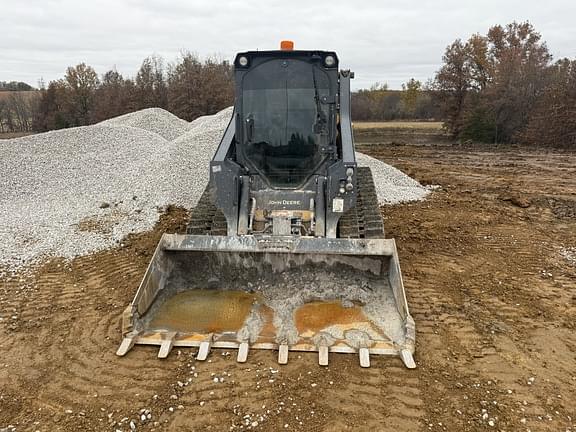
10, 135
26, 94
398, 125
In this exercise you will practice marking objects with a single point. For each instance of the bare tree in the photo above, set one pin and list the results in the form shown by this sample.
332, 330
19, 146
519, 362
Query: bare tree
489, 85
3, 116
553, 119
196, 88
410, 94
453, 82
151, 85
520, 60
81, 83
114, 96
51, 109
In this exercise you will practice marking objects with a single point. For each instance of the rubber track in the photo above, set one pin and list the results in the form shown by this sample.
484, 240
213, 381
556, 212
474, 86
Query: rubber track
206, 219
362, 221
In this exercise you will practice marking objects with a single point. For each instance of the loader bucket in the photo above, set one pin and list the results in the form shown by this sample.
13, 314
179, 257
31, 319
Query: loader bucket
290, 294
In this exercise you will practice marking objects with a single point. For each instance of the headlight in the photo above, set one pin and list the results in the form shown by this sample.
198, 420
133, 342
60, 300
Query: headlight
349, 172
243, 61
329, 60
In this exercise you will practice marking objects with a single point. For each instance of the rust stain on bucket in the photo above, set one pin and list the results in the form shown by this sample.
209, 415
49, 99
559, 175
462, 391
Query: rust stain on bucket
316, 316
204, 311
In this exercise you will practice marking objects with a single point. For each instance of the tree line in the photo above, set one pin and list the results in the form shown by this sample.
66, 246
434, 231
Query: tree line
17, 107
378, 103
504, 87
188, 88
498, 87
14, 86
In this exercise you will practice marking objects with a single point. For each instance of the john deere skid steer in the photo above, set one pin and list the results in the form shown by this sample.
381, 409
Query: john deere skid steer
285, 249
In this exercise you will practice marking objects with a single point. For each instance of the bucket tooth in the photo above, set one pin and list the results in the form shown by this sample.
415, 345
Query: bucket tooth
364, 357
242, 352
166, 345
323, 355
407, 359
127, 344
283, 354
204, 349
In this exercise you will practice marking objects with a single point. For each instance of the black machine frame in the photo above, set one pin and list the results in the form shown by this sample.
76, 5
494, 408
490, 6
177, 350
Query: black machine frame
328, 192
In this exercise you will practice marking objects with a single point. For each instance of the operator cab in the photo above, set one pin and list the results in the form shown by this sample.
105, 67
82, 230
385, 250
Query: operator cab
286, 114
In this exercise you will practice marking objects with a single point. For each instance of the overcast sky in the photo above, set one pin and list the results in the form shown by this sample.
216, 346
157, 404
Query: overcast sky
386, 41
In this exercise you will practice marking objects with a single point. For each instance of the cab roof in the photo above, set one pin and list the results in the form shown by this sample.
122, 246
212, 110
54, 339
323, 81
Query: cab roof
312, 56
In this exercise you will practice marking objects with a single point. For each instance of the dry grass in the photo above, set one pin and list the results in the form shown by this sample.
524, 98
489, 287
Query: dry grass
10, 135
399, 125
26, 94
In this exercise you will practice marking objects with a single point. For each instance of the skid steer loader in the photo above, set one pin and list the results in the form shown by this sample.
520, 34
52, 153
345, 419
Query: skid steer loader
285, 249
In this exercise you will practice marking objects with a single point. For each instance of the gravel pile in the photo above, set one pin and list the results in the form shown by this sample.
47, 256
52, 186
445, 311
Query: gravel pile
216, 121
392, 185
189, 156
156, 120
54, 185
75, 191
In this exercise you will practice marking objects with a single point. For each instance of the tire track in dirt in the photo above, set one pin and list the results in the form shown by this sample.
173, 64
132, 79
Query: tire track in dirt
501, 327
403, 398
302, 395
244, 395
66, 340
507, 303
437, 310
477, 317
85, 333
509, 322
384, 397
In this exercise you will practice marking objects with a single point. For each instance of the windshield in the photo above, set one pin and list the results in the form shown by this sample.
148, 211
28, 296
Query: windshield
284, 122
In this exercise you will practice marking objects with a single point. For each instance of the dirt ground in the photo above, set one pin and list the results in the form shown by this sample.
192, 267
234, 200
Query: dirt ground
489, 263
419, 125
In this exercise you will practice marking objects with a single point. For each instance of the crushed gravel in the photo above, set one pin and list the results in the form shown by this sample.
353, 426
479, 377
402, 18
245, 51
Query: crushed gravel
156, 120
392, 185
569, 254
75, 191
188, 158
